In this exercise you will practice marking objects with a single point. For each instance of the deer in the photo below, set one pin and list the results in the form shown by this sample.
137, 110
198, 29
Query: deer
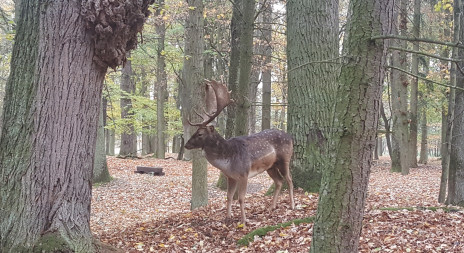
240, 158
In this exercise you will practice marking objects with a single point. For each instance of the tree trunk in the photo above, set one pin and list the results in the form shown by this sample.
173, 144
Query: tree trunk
161, 78
235, 31
400, 83
387, 129
266, 76
311, 87
424, 147
344, 182
456, 163
100, 168
128, 147
414, 87
51, 110
246, 61
193, 79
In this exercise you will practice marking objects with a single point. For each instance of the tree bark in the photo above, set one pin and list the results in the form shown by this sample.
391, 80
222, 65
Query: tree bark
128, 147
424, 154
456, 163
344, 182
246, 62
100, 167
161, 79
52, 104
193, 79
414, 88
311, 86
266, 37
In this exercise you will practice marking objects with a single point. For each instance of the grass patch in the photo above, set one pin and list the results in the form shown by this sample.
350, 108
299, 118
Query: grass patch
264, 230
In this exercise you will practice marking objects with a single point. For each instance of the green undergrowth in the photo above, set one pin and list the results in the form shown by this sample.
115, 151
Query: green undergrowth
431, 208
264, 230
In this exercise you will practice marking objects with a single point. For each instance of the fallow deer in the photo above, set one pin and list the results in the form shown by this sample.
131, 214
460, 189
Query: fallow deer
243, 157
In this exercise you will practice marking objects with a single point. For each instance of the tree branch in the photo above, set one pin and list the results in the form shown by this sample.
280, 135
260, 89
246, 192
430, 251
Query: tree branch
412, 39
423, 78
426, 54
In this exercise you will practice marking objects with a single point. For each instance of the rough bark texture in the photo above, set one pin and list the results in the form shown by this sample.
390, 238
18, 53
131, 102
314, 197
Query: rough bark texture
193, 80
246, 61
399, 90
344, 182
51, 111
312, 38
161, 79
456, 164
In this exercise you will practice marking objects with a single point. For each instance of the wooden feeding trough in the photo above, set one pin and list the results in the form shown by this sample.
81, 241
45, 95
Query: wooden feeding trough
155, 171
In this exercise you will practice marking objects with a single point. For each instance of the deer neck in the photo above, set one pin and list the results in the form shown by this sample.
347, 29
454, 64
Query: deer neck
219, 152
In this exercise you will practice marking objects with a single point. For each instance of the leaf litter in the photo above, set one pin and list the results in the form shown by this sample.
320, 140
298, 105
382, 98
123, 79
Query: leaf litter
145, 213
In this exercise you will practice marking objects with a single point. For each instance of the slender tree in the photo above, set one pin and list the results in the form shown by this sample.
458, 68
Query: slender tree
456, 163
246, 61
128, 136
100, 167
61, 53
344, 182
161, 79
193, 81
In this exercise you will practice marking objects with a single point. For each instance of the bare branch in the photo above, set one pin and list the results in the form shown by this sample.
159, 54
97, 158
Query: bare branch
413, 39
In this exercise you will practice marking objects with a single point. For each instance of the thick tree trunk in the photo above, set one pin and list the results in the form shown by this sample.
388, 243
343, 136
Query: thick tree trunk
311, 86
128, 136
246, 61
344, 182
51, 114
193, 79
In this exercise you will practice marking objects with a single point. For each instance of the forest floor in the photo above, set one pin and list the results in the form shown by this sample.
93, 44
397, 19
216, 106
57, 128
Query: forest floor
145, 213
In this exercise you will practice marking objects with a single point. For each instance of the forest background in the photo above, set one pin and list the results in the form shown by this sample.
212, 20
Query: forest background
146, 102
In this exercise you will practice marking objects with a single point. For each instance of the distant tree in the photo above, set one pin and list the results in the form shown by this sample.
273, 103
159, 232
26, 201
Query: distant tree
161, 81
52, 103
100, 167
128, 146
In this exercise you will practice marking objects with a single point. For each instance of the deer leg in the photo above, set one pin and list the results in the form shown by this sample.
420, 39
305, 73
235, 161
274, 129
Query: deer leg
288, 177
275, 175
231, 187
242, 188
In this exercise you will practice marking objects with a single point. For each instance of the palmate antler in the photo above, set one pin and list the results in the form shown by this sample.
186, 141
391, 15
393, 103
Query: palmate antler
217, 98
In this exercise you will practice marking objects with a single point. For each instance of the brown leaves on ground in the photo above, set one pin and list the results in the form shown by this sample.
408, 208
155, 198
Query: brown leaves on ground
144, 213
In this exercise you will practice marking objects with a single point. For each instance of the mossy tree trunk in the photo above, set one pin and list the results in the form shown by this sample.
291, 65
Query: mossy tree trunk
100, 167
61, 53
343, 192
312, 86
